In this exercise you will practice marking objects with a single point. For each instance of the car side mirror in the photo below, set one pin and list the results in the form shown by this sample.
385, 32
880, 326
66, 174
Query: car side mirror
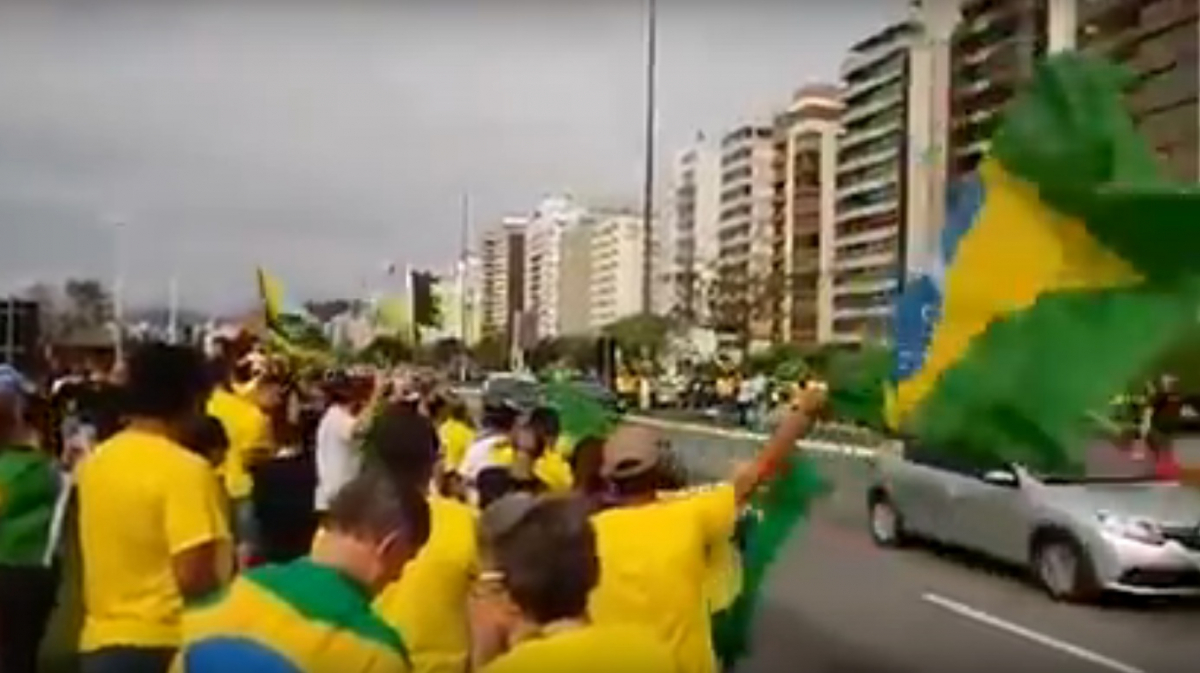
1003, 478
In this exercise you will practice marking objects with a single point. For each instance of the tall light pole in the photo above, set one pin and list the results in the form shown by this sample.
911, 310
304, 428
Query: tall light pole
648, 178
118, 298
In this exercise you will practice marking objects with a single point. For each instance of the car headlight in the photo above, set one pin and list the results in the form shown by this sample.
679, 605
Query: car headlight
1140, 530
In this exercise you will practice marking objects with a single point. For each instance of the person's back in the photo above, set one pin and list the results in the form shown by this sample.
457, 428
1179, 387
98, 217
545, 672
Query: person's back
315, 614
290, 618
248, 428
142, 500
428, 604
589, 649
338, 459
660, 580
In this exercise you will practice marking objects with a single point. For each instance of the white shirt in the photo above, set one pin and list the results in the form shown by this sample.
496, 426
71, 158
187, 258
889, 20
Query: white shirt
478, 457
338, 459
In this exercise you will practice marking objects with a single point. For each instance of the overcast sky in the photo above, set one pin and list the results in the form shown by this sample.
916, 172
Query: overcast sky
322, 138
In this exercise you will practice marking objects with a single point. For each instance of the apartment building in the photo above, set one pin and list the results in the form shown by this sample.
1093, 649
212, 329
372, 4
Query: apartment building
1159, 40
616, 268
502, 278
550, 237
993, 53
805, 201
691, 231
744, 234
869, 228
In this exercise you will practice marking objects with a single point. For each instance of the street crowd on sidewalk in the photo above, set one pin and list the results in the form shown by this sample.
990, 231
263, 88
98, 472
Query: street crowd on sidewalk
238, 513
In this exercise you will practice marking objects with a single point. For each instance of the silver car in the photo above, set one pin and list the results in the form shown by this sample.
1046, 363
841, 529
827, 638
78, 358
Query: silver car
1116, 529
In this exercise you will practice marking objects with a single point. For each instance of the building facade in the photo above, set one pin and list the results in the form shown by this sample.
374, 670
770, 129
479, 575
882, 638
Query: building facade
691, 231
868, 249
805, 171
616, 269
502, 278
993, 53
745, 231
546, 273
1159, 40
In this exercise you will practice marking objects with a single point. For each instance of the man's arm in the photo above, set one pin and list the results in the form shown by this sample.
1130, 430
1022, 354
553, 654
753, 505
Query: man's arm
196, 530
782, 443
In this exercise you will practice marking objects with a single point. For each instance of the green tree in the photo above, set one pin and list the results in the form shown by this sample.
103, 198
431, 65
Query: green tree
491, 352
643, 335
89, 304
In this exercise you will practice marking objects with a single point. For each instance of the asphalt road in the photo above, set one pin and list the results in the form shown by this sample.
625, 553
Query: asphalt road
838, 604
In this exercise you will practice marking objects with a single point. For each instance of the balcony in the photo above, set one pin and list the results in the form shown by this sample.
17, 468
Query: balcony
872, 260
882, 233
871, 133
863, 86
868, 185
856, 112
878, 157
852, 287
855, 212
857, 60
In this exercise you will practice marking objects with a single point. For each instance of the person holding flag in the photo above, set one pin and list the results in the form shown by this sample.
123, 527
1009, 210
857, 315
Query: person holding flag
660, 581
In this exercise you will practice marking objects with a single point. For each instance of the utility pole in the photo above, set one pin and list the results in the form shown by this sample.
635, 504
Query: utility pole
173, 310
463, 256
648, 178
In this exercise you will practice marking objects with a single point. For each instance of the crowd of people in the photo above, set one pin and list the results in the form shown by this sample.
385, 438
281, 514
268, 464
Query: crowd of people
232, 515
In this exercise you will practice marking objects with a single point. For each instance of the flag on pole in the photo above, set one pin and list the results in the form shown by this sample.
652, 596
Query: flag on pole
290, 326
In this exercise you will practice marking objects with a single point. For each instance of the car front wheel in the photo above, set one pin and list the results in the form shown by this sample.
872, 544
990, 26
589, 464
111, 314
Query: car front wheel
1064, 570
887, 526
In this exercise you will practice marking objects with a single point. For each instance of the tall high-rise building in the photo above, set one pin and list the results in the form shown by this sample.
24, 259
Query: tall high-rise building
616, 268
993, 53
869, 232
745, 233
691, 231
1159, 40
546, 272
502, 278
804, 210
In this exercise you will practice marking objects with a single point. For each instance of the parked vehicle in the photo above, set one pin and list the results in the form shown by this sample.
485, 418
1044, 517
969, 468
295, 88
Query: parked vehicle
1113, 529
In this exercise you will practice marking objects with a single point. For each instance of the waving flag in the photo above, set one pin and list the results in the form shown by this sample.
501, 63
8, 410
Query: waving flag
1069, 265
291, 327
290, 619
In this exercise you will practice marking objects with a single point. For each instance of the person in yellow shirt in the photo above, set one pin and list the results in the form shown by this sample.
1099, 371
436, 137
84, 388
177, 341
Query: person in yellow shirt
455, 430
541, 563
428, 604
152, 527
248, 428
662, 580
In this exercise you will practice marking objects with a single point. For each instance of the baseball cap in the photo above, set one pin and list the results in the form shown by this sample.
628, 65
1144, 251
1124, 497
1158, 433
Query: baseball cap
631, 451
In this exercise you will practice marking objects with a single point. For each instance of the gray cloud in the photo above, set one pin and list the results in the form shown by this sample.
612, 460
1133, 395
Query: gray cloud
321, 138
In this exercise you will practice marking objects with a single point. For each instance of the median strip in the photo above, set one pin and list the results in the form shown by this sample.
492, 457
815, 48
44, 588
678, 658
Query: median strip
815, 446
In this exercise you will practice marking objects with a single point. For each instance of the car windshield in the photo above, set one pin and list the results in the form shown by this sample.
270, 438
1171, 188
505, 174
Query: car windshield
1106, 464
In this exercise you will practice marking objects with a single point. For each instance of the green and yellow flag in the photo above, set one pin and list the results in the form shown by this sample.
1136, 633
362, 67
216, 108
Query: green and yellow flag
1068, 264
290, 327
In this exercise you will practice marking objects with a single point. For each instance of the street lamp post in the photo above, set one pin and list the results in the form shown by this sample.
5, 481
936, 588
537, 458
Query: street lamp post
118, 299
648, 178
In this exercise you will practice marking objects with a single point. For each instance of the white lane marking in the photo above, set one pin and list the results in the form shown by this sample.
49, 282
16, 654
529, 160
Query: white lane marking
1029, 634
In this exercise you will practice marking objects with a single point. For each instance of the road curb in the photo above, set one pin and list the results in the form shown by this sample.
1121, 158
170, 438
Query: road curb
815, 446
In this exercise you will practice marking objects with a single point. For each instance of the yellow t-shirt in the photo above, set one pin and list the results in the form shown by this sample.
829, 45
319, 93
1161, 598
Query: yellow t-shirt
591, 649
550, 468
455, 437
248, 428
428, 604
654, 563
142, 500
